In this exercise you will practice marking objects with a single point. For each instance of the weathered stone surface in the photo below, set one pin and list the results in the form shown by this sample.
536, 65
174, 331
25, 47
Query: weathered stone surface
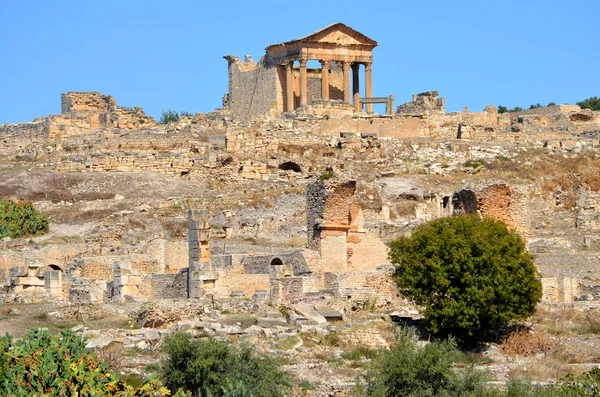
310, 313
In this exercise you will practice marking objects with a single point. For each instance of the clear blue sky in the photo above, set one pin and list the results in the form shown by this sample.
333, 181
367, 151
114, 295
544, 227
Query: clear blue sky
168, 54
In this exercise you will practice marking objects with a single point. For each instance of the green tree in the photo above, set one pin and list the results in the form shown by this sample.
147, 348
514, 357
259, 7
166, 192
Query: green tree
516, 109
168, 116
471, 276
551, 104
42, 364
502, 109
592, 103
409, 369
18, 219
214, 368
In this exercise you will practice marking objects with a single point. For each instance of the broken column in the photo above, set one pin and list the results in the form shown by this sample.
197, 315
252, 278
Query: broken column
126, 282
201, 278
329, 220
53, 282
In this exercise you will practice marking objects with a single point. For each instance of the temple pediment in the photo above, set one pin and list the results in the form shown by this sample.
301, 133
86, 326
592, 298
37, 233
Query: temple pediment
337, 34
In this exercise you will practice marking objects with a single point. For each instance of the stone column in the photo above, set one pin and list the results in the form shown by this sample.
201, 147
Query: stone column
289, 86
356, 87
325, 79
368, 86
346, 68
303, 83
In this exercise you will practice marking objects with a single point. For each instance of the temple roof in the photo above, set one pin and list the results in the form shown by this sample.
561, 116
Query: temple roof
337, 33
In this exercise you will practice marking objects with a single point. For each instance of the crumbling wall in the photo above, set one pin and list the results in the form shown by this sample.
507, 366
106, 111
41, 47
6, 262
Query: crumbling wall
422, 103
274, 263
495, 201
252, 88
170, 286
365, 251
85, 112
83, 102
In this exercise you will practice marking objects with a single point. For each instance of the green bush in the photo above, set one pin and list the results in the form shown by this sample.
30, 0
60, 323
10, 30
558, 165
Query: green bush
168, 116
592, 103
216, 369
18, 219
47, 365
408, 369
471, 276
502, 109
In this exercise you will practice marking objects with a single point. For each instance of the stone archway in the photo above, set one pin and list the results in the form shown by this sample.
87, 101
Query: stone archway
290, 166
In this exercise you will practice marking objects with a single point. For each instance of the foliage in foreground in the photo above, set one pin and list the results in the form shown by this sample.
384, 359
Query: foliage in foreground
408, 369
217, 369
434, 369
472, 276
18, 219
42, 364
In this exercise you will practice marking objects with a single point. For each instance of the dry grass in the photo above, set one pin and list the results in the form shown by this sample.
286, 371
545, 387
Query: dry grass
524, 343
175, 227
569, 321
548, 369
404, 208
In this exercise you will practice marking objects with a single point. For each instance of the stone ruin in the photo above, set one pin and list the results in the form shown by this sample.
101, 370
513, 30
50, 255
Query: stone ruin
86, 111
425, 102
342, 258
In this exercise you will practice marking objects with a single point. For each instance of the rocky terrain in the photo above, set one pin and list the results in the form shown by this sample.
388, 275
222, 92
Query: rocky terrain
121, 192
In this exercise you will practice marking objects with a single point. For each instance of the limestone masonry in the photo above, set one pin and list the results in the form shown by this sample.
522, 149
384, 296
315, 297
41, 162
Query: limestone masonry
293, 188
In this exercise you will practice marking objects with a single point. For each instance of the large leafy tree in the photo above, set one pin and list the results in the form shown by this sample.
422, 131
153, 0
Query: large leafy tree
471, 276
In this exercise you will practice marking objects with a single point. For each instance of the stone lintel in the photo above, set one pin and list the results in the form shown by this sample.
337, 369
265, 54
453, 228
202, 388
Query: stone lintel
334, 226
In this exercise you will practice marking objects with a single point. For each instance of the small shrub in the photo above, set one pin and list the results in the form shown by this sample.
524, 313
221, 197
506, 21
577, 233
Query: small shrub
408, 369
326, 175
220, 370
473, 163
18, 219
168, 116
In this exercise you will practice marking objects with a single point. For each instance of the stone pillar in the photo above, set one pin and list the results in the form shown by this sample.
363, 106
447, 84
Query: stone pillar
356, 87
53, 282
289, 86
198, 251
325, 79
303, 83
346, 68
368, 86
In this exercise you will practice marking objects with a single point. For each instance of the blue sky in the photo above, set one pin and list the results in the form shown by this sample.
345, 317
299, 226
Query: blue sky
168, 54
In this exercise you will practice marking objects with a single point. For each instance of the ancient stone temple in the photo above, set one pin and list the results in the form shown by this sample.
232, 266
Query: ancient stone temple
282, 81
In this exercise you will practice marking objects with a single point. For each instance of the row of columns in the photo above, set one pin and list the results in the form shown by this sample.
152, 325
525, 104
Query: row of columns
325, 83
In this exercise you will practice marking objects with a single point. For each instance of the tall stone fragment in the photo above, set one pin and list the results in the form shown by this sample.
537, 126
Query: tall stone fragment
201, 277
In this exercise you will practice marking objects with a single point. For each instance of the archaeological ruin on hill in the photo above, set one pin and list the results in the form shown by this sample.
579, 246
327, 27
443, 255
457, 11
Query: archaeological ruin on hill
292, 188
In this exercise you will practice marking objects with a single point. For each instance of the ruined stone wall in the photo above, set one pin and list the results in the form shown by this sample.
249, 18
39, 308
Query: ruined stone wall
170, 286
424, 102
314, 85
252, 88
270, 264
315, 206
85, 112
248, 284
85, 102
365, 251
